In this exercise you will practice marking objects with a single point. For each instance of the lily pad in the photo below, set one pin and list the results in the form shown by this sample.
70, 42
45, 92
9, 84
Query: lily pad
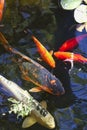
85, 1
80, 13
70, 4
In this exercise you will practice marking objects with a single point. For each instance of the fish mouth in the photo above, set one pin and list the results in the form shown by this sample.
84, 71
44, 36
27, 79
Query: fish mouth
61, 93
51, 123
52, 126
57, 93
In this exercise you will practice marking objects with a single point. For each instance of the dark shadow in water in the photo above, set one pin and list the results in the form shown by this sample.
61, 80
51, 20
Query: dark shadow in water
65, 25
65, 30
62, 73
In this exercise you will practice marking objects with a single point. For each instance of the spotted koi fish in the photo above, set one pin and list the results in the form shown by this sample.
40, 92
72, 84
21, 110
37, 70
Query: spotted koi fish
42, 78
36, 73
38, 112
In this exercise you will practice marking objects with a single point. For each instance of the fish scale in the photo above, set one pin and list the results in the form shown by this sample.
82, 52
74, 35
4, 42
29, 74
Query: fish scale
41, 77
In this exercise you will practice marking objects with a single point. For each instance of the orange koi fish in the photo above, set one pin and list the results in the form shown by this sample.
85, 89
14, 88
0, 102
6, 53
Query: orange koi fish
70, 56
1, 8
71, 43
46, 56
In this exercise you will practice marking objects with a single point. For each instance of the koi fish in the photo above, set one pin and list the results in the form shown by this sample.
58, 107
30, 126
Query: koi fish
45, 55
38, 112
36, 73
71, 43
1, 8
42, 78
70, 56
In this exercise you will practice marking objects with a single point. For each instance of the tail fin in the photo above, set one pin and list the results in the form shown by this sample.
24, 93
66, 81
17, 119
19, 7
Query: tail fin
3, 39
4, 42
8, 47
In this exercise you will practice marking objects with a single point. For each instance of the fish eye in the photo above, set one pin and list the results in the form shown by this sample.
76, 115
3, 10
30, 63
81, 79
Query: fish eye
51, 81
43, 112
39, 107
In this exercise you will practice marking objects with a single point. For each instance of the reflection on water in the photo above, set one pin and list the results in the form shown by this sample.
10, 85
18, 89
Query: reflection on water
69, 110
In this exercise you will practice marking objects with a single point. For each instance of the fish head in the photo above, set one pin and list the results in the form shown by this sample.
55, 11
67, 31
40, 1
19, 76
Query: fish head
41, 116
55, 86
46, 120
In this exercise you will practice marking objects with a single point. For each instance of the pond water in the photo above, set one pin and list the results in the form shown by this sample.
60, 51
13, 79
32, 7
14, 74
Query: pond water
52, 29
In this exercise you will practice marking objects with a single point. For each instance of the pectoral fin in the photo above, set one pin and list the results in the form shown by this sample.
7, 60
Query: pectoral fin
29, 121
51, 52
36, 89
44, 104
26, 78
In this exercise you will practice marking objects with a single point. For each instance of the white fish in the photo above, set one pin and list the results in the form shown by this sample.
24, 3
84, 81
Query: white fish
38, 112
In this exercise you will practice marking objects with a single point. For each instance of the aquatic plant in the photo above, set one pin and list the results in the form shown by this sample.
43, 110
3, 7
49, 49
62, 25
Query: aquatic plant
80, 11
19, 108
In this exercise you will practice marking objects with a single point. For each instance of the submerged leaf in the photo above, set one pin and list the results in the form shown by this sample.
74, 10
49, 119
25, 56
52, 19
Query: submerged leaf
70, 4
